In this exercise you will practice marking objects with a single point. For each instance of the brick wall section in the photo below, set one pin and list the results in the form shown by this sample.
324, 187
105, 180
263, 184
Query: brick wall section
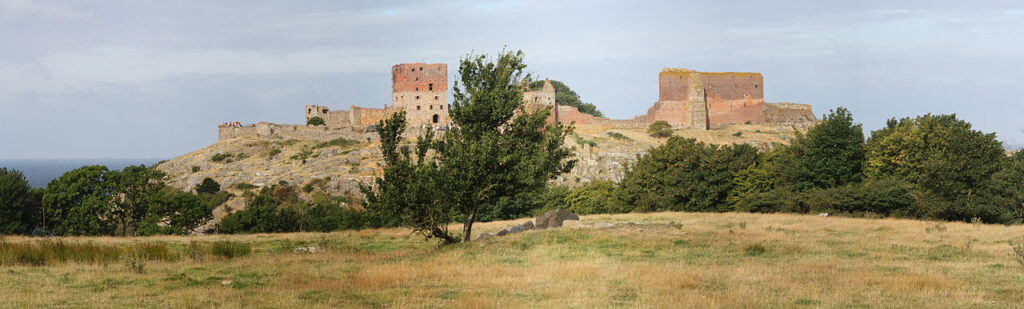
421, 89
688, 98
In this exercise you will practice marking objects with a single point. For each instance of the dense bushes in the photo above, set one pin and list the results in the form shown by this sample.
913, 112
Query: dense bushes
315, 121
684, 175
660, 129
278, 209
94, 201
19, 203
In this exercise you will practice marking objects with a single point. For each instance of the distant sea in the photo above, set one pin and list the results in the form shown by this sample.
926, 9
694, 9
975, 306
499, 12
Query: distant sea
39, 172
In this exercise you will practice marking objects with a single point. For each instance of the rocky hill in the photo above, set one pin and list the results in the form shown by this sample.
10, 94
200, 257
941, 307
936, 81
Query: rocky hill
338, 161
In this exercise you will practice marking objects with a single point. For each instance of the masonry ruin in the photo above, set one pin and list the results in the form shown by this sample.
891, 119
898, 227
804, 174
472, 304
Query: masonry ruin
686, 99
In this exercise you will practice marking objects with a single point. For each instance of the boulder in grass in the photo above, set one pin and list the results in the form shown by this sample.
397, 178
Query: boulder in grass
484, 236
554, 218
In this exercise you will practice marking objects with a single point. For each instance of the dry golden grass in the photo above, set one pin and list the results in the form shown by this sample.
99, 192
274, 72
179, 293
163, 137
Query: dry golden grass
659, 260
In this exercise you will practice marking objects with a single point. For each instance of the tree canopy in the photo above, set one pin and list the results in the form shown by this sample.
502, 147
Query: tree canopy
497, 150
19, 203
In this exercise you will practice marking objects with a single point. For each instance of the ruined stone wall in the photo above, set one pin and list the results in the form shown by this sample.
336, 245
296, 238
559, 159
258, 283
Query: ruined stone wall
734, 98
288, 131
790, 114
544, 96
692, 99
421, 89
226, 132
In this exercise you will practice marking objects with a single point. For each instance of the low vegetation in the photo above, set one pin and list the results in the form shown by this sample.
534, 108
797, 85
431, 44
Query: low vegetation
659, 129
567, 97
619, 136
690, 260
315, 121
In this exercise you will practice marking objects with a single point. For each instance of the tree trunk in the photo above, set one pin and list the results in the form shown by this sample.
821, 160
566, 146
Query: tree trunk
467, 227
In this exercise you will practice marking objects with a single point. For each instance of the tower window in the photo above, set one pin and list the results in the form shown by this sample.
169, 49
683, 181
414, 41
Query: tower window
417, 97
421, 69
430, 87
431, 107
435, 97
412, 70
755, 85
417, 107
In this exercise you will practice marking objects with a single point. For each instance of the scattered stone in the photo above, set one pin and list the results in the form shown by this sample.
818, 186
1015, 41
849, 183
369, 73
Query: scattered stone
516, 228
306, 250
227, 281
482, 236
824, 214
554, 218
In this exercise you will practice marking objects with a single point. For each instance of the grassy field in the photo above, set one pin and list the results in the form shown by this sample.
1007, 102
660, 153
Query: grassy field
676, 260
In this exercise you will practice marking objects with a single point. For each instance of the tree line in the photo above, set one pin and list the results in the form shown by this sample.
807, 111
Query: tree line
97, 201
925, 167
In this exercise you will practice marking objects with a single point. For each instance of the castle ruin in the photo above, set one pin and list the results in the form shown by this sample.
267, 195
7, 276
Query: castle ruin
686, 99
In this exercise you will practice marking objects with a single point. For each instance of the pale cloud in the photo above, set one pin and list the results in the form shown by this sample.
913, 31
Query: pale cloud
166, 65
10, 8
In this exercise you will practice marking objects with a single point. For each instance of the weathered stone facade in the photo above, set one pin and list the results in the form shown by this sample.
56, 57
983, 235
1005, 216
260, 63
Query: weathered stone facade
421, 89
691, 99
686, 99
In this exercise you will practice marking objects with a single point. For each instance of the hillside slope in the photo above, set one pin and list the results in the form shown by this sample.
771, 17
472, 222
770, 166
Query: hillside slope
338, 162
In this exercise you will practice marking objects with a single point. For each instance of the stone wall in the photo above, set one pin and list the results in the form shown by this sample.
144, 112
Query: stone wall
421, 89
790, 114
287, 131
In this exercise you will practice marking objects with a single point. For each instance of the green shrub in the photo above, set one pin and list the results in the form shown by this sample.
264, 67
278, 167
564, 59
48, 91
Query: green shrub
1018, 250
229, 249
315, 121
339, 142
660, 129
582, 141
208, 186
273, 152
304, 154
219, 157
135, 260
684, 175
738, 134
195, 169
596, 197
755, 249
244, 186
619, 136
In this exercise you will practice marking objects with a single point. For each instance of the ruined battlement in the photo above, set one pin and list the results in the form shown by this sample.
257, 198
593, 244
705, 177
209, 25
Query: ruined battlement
686, 99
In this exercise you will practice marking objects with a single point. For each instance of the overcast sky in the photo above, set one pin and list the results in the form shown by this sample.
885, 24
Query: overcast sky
152, 79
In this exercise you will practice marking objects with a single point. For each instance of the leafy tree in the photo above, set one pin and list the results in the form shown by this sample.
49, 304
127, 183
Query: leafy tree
944, 157
19, 203
315, 121
176, 212
831, 154
685, 175
262, 215
568, 97
660, 129
79, 203
498, 149
135, 189
526, 204
750, 186
208, 186
596, 197
1009, 181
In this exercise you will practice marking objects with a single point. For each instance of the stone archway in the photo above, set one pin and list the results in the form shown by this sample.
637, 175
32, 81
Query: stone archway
436, 118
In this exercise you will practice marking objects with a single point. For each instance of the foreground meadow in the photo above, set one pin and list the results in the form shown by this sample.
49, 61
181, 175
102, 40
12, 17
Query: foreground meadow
632, 260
